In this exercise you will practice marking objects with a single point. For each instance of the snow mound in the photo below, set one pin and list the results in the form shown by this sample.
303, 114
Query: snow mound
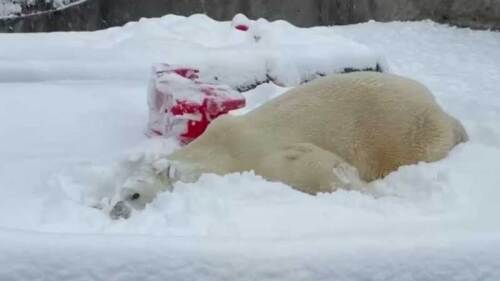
268, 51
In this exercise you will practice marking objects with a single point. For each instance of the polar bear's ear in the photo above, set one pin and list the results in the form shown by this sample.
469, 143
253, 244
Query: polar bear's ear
346, 173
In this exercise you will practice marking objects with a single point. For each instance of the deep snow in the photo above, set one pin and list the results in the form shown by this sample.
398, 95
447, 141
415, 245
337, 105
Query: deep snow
80, 110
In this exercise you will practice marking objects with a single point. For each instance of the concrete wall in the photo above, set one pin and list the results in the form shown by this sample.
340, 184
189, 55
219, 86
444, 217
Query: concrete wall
98, 14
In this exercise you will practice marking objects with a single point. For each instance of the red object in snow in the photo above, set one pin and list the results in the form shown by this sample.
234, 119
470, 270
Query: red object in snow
189, 73
241, 22
242, 27
182, 105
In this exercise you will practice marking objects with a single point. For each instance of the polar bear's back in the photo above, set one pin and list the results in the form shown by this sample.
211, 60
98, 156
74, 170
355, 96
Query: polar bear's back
357, 93
377, 122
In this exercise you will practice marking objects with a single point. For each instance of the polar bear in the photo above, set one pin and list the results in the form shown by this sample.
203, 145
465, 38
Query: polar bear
333, 132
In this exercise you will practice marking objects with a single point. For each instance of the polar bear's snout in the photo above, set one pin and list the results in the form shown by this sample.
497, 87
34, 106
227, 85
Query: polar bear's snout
120, 211
135, 197
131, 199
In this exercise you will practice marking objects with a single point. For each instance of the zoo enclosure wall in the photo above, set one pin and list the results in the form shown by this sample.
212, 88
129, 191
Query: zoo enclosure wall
98, 14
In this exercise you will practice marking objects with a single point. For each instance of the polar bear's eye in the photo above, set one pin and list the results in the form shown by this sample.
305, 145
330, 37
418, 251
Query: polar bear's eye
135, 196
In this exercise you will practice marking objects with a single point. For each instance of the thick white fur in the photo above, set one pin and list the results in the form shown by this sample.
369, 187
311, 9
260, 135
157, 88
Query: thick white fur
375, 122
322, 135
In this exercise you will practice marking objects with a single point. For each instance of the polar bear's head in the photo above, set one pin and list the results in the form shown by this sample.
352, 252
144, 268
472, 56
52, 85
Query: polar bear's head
146, 179
136, 194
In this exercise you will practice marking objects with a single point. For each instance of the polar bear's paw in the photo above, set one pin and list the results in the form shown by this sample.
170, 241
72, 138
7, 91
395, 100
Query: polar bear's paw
347, 176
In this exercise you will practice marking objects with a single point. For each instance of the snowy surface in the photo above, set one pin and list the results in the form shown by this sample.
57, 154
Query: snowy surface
14, 8
9, 8
73, 106
266, 50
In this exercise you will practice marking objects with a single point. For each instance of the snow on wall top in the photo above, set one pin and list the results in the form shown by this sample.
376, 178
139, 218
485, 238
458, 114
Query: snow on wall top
9, 8
14, 8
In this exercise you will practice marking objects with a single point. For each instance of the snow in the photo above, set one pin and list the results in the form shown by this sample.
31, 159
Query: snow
9, 8
199, 42
73, 110
61, 3
14, 8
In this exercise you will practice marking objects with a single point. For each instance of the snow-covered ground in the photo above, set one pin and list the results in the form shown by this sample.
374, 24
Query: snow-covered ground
73, 104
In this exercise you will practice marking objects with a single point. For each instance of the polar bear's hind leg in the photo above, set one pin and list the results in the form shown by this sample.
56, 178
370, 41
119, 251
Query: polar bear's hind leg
308, 168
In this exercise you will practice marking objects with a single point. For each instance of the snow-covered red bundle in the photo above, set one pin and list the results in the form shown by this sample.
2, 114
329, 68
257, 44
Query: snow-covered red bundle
181, 105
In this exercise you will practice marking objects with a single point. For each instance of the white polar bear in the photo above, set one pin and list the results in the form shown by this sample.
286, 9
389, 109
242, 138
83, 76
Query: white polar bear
316, 137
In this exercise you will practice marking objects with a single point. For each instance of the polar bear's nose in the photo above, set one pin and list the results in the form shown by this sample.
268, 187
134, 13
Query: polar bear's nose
120, 210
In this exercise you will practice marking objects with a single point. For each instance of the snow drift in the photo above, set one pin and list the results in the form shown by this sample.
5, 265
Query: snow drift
276, 51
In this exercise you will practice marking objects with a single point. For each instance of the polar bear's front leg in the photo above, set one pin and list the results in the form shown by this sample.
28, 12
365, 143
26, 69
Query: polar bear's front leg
309, 168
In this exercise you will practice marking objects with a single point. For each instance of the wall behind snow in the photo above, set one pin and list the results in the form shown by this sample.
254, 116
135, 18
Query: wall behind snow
98, 14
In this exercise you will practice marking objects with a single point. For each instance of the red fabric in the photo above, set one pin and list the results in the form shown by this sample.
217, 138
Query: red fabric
209, 110
189, 115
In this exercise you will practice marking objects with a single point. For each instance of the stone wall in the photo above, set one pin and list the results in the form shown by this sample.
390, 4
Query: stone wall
98, 14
